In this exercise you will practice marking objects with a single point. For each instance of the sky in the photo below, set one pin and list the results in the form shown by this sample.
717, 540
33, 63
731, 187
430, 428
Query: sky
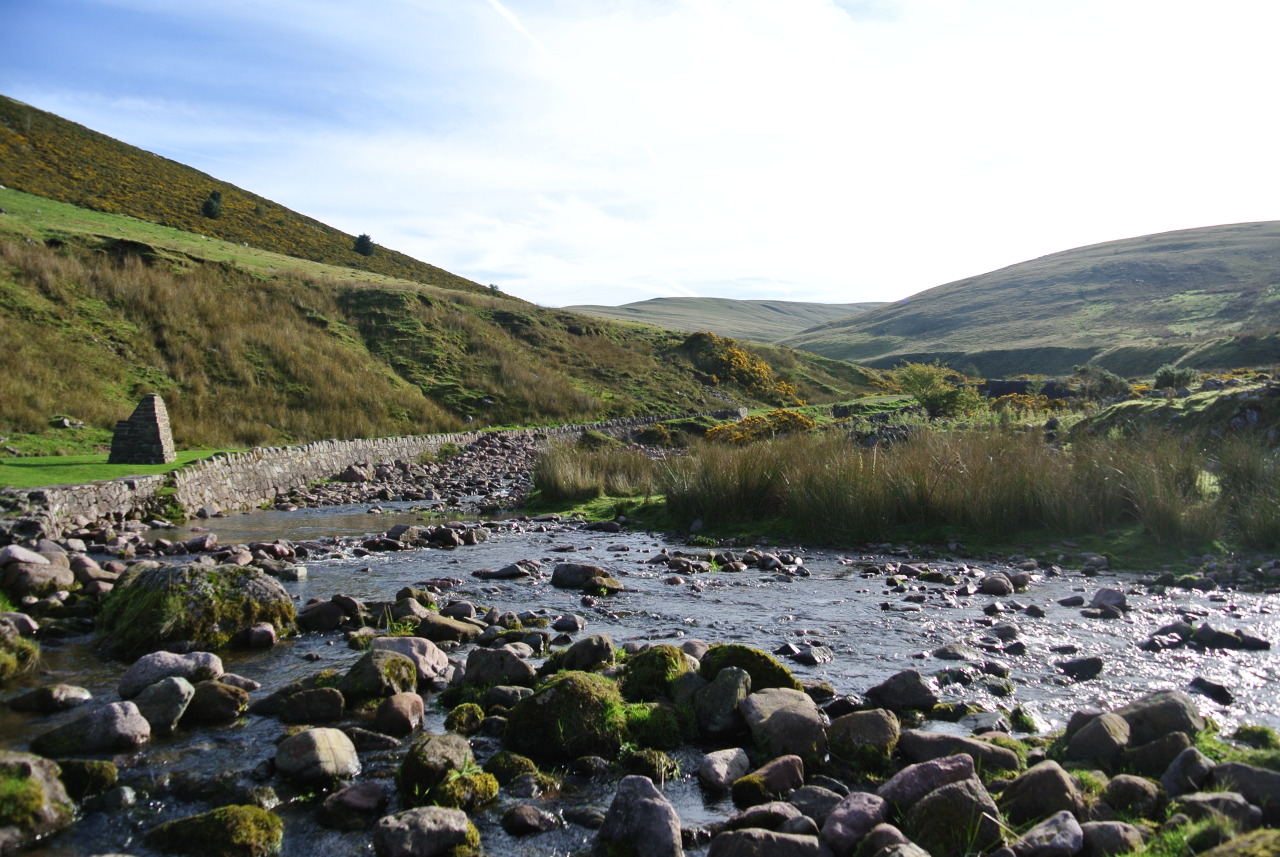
610, 151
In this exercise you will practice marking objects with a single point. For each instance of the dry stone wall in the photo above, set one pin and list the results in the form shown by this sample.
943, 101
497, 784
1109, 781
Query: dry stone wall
246, 480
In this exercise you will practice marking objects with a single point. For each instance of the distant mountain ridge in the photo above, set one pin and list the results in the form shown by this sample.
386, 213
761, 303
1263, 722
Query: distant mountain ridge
1206, 297
757, 320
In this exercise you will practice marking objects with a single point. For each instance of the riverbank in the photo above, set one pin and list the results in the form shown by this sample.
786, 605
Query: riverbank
877, 614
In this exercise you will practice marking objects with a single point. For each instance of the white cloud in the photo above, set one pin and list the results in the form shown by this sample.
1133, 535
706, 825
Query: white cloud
576, 152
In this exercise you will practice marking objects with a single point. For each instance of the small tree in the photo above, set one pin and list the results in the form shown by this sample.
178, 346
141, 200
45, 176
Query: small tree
940, 390
364, 245
1169, 375
1099, 383
212, 207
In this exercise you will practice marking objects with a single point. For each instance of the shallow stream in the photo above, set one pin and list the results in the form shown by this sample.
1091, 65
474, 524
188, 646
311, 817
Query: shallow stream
836, 606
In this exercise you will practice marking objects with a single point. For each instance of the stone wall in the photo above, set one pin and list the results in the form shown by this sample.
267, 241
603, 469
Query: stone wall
247, 480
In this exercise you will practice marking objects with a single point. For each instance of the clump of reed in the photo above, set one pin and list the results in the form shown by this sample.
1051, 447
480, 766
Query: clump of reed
573, 472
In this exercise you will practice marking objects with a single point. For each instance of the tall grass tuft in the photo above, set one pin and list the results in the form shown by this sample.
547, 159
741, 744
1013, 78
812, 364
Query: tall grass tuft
571, 473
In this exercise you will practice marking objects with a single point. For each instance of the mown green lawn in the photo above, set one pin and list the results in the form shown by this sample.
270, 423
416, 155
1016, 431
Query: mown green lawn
73, 469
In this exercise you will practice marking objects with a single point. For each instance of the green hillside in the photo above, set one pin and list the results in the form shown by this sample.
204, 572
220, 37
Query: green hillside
49, 156
250, 347
759, 321
1206, 297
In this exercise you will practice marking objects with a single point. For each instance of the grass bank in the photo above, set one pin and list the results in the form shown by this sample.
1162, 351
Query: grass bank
1145, 498
39, 471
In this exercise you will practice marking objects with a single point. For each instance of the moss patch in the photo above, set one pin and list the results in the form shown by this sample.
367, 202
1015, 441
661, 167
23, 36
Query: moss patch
205, 605
465, 791
229, 831
17, 655
21, 798
571, 714
657, 725
765, 670
650, 673
465, 719
506, 766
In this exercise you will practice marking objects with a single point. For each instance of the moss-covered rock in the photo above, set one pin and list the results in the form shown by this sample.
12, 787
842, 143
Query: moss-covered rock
765, 670
431, 761
654, 764
378, 674
506, 766
750, 790
208, 606
88, 777
228, 831
465, 719
33, 802
1256, 843
571, 714
465, 791
650, 673
18, 654
658, 725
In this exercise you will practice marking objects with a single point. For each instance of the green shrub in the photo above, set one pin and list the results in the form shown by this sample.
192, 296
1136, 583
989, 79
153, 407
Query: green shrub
1176, 377
363, 245
212, 207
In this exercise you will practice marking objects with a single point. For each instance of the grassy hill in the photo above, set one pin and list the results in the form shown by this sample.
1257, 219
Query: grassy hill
49, 156
759, 321
251, 347
1206, 298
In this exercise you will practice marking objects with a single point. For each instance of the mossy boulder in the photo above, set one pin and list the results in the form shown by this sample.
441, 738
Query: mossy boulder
207, 606
651, 673
431, 831
33, 802
378, 674
465, 719
506, 766
657, 725
465, 791
18, 654
654, 764
88, 777
228, 831
432, 761
1256, 843
765, 670
572, 714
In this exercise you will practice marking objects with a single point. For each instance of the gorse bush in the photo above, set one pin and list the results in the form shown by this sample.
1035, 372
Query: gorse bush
1098, 383
726, 362
941, 391
761, 426
1176, 377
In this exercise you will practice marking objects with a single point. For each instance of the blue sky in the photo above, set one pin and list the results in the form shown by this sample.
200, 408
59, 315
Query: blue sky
606, 151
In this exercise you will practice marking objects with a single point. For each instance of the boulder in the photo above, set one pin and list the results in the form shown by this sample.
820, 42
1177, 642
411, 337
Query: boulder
429, 831
1188, 773
34, 804
815, 802
719, 769
955, 820
149, 669
1157, 714
206, 606
427, 657
1258, 843
1059, 835
904, 691
228, 831
353, 808
1110, 838
399, 714
573, 714
785, 722
716, 704
119, 726
317, 757
913, 782
1044, 790
525, 819
431, 761
50, 699
754, 842
164, 703
215, 703
316, 705
1101, 741
851, 820
1154, 758
1259, 786
29, 578
856, 735
498, 666
920, 746
588, 653
765, 670
378, 673
773, 778
639, 822
441, 629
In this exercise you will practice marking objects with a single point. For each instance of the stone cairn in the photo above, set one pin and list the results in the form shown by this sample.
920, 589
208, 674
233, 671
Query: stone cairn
144, 438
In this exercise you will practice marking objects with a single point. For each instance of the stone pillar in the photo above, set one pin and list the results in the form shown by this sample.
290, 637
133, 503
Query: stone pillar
144, 438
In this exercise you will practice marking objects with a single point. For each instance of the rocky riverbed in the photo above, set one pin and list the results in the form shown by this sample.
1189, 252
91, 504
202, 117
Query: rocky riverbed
772, 694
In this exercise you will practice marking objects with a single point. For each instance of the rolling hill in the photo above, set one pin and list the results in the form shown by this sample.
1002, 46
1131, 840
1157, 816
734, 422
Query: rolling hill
261, 329
1207, 298
759, 321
